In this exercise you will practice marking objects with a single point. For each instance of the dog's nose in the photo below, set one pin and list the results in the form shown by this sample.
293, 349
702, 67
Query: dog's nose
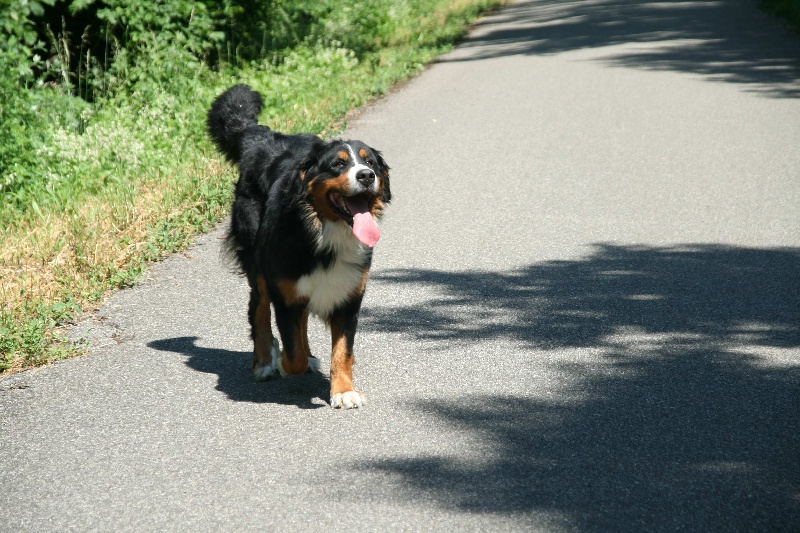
365, 177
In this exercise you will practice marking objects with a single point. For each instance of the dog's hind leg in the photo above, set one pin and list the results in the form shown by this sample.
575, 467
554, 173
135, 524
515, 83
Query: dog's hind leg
291, 324
291, 316
266, 349
313, 362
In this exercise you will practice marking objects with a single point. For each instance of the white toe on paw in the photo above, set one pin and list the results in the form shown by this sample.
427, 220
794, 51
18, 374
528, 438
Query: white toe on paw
263, 372
348, 400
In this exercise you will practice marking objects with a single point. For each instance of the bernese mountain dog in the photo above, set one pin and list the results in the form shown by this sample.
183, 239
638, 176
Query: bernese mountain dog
303, 226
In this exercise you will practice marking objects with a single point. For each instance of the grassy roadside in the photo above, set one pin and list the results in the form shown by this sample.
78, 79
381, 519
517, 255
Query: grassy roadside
120, 182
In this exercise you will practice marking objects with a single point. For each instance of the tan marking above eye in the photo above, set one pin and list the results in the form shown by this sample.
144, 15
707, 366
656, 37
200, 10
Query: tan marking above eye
343, 155
362, 153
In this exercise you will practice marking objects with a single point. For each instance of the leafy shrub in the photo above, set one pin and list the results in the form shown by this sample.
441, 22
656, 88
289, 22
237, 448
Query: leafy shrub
157, 43
20, 124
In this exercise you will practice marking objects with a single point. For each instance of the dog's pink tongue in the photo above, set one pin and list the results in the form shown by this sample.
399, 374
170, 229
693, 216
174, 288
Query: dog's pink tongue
364, 227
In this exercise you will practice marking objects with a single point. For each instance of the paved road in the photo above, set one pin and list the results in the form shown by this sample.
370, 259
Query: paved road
584, 313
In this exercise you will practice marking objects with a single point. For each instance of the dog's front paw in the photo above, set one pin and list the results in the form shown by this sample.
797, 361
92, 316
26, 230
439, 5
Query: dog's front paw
348, 400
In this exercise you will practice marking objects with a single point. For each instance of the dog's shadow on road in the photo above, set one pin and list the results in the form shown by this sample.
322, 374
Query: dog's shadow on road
236, 378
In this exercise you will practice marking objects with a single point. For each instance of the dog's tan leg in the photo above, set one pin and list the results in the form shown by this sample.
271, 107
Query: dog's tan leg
342, 336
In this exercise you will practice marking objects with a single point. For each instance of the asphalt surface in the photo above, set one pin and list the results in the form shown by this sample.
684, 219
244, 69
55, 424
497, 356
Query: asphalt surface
584, 313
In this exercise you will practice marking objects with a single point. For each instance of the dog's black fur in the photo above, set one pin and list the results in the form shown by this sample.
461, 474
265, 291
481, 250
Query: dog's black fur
294, 234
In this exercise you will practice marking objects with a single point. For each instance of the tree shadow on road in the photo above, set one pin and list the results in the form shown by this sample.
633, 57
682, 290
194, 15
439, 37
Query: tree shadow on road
713, 292
726, 40
236, 377
691, 419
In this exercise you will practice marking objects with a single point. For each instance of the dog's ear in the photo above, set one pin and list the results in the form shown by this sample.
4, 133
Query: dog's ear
310, 164
307, 167
383, 169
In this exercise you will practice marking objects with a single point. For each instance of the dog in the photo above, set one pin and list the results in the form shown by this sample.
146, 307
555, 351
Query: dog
303, 227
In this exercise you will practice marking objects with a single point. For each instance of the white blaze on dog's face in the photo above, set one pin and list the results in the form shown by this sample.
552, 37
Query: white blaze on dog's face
350, 184
361, 175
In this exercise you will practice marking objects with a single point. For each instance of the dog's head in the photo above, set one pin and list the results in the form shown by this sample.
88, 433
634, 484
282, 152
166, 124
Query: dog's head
348, 181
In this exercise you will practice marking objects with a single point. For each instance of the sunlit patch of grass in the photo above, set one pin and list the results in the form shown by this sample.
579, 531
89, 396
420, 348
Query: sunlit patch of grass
53, 268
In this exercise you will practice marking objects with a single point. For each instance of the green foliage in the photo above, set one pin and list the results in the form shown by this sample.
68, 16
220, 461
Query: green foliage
29, 338
156, 44
20, 126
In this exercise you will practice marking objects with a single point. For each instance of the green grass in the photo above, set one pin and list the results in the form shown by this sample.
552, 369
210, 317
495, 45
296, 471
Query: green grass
110, 168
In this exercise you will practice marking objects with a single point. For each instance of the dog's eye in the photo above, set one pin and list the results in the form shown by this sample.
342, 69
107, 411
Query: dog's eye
339, 164
370, 163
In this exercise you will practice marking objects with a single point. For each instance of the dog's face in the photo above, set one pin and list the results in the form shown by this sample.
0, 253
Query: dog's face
349, 181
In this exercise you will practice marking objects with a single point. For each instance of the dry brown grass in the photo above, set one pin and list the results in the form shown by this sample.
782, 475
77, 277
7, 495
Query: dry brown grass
44, 258
80, 256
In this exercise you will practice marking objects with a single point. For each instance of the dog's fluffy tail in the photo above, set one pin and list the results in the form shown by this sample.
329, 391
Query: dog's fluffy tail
230, 115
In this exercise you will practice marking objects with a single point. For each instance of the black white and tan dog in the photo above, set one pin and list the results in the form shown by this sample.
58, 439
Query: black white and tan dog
303, 226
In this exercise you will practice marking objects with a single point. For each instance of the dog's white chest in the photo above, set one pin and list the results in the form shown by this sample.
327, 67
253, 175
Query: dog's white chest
327, 288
